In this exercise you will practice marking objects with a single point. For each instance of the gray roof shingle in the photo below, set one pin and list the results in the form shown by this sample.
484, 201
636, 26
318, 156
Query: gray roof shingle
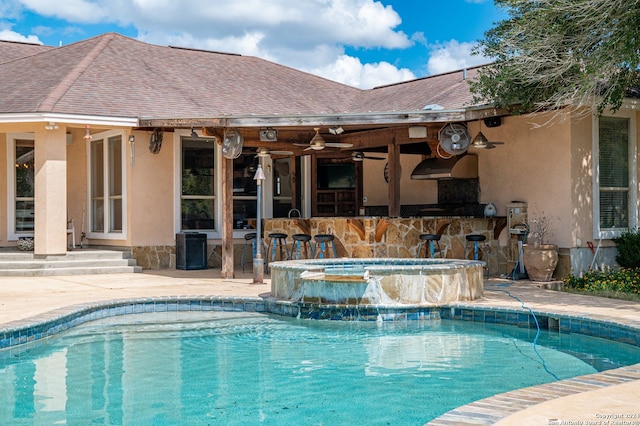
113, 75
11, 50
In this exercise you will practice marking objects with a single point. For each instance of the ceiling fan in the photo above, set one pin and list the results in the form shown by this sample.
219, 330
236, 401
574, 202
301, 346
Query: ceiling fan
263, 152
318, 143
359, 156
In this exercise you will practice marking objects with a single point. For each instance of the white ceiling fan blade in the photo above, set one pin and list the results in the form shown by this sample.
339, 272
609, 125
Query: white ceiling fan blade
338, 145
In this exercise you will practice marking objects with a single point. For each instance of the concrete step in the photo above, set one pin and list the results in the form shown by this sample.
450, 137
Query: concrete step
48, 272
77, 262
75, 254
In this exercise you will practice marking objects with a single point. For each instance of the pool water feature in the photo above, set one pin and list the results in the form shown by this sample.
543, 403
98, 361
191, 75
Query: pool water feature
397, 282
247, 368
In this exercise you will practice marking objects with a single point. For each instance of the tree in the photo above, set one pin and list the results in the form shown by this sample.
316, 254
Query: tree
557, 53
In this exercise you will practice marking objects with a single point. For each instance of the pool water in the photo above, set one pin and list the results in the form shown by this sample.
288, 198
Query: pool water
244, 368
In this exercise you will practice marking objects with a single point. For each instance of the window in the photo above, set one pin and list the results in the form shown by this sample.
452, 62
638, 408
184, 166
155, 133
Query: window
197, 195
106, 185
21, 184
614, 178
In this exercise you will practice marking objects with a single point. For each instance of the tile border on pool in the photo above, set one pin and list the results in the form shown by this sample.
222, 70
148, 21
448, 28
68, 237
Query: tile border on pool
482, 412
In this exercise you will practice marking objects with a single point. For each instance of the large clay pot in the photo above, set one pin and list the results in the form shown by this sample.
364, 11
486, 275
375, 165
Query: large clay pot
540, 261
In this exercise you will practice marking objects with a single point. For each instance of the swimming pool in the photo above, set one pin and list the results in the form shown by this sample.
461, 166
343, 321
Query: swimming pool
179, 367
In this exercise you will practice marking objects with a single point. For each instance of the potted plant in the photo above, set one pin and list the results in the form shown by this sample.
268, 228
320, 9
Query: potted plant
540, 258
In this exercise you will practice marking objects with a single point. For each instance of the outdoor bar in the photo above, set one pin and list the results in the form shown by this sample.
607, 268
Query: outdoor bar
377, 237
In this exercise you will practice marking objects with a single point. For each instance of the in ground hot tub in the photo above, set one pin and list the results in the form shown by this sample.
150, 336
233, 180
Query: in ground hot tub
387, 281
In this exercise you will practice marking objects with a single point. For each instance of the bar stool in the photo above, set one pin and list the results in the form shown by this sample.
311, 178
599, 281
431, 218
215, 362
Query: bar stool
323, 241
433, 240
301, 247
251, 236
277, 244
476, 239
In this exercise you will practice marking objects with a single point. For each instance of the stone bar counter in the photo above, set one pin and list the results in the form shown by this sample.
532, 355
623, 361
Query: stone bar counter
376, 237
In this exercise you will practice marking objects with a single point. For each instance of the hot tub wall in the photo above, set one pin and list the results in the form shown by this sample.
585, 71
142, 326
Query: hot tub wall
416, 282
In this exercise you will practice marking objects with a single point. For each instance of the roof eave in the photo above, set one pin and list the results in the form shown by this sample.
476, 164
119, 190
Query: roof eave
45, 117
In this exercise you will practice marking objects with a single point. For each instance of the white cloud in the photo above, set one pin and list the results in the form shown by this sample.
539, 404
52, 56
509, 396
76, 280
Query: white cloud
79, 11
452, 55
14, 36
349, 70
310, 35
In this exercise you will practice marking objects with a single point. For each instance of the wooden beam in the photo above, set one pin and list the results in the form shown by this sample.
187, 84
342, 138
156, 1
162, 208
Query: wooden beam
394, 179
313, 120
227, 219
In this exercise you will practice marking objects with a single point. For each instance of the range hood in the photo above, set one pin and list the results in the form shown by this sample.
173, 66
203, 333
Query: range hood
464, 167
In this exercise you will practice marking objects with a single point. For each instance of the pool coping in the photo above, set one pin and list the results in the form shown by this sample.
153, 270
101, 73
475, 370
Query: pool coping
481, 412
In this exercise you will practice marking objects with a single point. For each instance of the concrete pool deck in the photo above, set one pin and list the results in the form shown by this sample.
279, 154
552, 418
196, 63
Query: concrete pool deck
24, 301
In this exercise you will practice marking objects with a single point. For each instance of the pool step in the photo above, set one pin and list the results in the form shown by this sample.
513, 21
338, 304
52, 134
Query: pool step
78, 262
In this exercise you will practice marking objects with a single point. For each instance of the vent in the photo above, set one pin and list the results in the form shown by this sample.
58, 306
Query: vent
465, 167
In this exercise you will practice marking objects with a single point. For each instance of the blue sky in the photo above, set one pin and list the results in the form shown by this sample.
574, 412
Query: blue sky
363, 43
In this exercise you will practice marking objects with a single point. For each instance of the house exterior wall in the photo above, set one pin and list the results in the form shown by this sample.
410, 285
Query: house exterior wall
532, 165
376, 189
549, 167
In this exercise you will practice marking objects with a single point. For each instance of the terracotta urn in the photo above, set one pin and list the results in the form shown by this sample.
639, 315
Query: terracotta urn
540, 261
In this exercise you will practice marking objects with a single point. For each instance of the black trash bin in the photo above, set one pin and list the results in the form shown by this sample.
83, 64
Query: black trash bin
191, 250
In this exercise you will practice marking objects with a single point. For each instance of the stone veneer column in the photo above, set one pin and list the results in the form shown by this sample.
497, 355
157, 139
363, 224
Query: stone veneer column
50, 233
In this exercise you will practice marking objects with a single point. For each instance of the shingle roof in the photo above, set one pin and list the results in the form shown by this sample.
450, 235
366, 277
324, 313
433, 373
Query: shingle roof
449, 90
10, 50
113, 75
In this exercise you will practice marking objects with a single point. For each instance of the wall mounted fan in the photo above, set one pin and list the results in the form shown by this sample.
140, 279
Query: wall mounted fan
232, 144
318, 143
155, 141
454, 139
359, 156
262, 152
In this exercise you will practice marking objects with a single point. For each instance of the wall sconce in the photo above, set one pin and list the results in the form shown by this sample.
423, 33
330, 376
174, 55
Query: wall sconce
51, 126
336, 130
87, 134
132, 149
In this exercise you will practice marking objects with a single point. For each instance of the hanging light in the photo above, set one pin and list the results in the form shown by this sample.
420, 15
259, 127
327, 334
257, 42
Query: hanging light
87, 134
480, 141
194, 135
132, 149
51, 126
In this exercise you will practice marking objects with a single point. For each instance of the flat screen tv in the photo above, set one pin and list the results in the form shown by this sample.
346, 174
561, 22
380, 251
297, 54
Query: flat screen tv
337, 176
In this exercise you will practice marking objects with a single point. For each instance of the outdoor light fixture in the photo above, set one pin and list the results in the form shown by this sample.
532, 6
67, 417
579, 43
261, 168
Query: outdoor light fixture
336, 130
479, 141
258, 262
194, 135
132, 149
51, 126
87, 134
